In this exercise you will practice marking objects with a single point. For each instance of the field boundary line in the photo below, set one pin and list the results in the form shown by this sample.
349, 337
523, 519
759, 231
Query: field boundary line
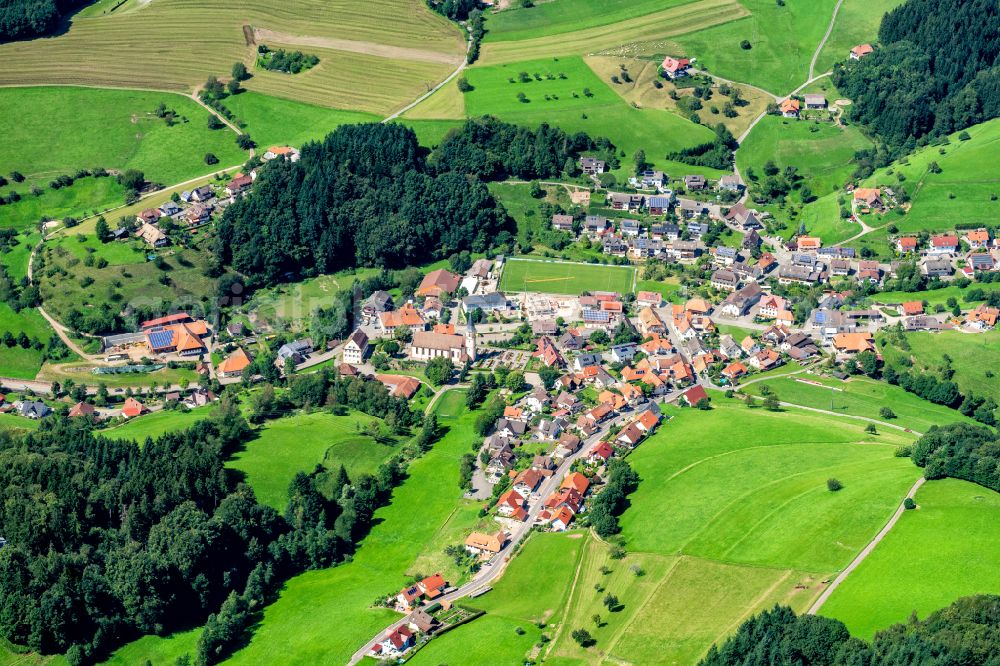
760, 598
867, 550
357, 46
569, 596
461, 67
618, 635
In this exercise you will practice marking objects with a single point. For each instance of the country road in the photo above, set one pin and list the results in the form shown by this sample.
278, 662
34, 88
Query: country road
866, 551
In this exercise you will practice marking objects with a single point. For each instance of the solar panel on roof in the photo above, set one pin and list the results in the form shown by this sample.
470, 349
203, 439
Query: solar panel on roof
161, 339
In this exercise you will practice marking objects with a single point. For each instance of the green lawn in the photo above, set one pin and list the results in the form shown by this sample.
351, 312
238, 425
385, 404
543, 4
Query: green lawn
669, 288
783, 39
298, 443
17, 362
276, 121
57, 130
936, 296
323, 616
15, 422
564, 278
972, 357
156, 424
603, 113
861, 397
964, 191
820, 151
561, 16
947, 548
295, 302
84, 197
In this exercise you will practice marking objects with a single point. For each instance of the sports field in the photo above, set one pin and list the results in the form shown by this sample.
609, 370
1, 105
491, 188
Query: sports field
373, 57
949, 547
52, 131
297, 443
860, 397
553, 277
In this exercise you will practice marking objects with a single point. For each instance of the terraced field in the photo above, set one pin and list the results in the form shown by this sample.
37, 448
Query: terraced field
175, 45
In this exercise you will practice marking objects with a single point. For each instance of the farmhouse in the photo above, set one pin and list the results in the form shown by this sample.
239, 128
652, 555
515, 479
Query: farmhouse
133, 408
853, 343
739, 302
431, 587
152, 236
675, 68
437, 283
790, 108
868, 197
400, 386
184, 338
82, 409
234, 364
274, 152
860, 51
814, 101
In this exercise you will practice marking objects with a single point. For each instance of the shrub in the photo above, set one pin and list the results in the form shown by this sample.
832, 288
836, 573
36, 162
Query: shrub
833, 484
909, 504
887, 413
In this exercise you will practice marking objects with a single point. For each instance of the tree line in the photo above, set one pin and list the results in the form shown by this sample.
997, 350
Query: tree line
107, 540
960, 451
966, 632
24, 19
612, 501
935, 72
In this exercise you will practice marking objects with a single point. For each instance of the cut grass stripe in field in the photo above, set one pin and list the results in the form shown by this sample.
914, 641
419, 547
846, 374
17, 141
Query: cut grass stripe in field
553, 277
657, 26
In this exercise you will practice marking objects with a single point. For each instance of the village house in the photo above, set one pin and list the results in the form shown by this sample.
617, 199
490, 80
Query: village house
734, 371
374, 305
739, 302
730, 183
814, 101
725, 280
152, 236
627, 202
591, 165
978, 239
943, 244
765, 359
694, 395
983, 317
562, 222
396, 642
743, 217
295, 351
728, 347
82, 409
406, 316
234, 364
595, 225
650, 322
202, 194
238, 185
429, 588
437, 283
511, 505
853, 343
356, 347
32, 409
725, 256
906, 244
399, 386
132, 408
274, 152
868, 198
695, 183
601, 454
658, 205
937, 266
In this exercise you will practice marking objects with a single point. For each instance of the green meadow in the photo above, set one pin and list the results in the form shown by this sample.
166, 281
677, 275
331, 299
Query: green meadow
565, 278
157, 424
52, 131
949, 547
820, 151
324, 616
974, 357
860, 397
966, 190
283, 447
782, 38
17, 362
566, 93
857, 23
936, 296
562, 16
84, 197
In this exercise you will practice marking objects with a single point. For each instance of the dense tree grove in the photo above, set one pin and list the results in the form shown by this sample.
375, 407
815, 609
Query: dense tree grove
107, 540
960, 451
363, 195
937, 70
966, 632
608, 504
23, 19
369, 195
717, 154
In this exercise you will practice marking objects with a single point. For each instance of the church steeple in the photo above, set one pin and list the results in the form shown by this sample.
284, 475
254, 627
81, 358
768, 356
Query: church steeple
470, 337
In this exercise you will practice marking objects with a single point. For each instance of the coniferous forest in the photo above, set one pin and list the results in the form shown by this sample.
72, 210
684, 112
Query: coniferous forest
936, 71
369, 195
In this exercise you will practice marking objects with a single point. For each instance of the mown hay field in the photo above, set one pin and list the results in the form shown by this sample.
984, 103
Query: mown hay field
176, 45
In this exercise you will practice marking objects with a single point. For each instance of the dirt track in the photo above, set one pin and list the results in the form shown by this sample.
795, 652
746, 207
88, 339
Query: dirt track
263, 35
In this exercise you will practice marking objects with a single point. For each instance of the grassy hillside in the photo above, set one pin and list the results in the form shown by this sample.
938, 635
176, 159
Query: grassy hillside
156, 424
561, 16
559, 96
17, 362
974, 358
373, 56
947, 548
53, 131
820, 151
782, 39
276, 121
857, 23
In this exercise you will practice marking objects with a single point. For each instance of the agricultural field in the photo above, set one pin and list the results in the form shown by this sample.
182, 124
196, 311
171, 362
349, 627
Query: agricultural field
297, 443
857, 23
947, 548
553, 277
646, 34
862, 397
566, 93
751, 524
967, 189
820, 151
323, 616
55, 131
783, 39
641, 91
84, 197
373, 57
157, 424
275, 121
562, 16
974, 357
17, 362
